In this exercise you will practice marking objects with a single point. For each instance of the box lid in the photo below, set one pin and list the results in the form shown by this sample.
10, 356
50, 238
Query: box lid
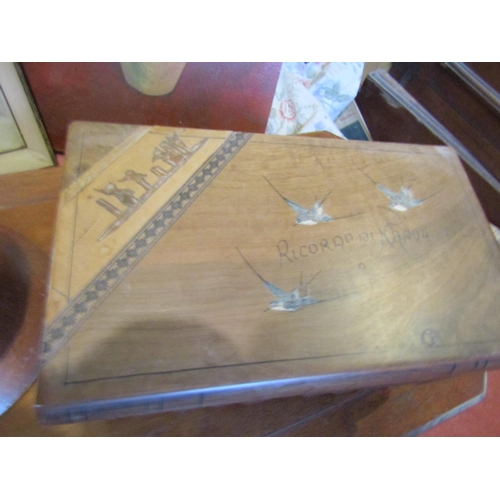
195, 267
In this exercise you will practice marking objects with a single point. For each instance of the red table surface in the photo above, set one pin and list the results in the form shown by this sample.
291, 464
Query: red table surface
220, 96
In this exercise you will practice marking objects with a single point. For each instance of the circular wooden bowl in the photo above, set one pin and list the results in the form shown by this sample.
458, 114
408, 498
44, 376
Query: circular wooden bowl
23, 273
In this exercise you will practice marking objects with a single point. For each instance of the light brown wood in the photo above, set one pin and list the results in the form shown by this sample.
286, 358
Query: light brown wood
169, 249
396, 411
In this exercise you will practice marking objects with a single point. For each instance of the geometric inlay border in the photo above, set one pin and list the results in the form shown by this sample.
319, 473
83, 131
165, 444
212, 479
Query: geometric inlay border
82, 306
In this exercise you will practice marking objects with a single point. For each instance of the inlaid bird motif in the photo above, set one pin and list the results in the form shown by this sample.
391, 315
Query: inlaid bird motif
402, 200
310, 216
287, 301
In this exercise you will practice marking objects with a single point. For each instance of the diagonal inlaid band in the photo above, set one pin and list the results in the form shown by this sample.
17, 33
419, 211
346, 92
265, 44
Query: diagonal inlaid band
81, 307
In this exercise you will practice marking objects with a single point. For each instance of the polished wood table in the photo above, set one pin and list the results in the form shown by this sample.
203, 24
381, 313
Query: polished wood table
218, 96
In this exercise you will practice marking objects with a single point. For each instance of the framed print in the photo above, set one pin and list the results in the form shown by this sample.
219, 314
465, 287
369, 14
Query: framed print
23, 142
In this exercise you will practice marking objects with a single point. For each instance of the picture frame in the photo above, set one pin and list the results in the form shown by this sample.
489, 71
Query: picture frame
24, 144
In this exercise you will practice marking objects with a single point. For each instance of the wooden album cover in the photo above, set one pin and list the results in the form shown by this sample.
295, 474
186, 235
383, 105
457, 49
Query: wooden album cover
195, 268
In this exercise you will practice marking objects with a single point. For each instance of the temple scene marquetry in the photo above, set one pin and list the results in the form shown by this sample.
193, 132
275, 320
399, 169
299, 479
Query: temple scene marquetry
173, 152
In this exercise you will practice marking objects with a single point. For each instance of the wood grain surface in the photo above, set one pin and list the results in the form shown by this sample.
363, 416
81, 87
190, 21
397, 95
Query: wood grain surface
27, 221
171, 248
385, 412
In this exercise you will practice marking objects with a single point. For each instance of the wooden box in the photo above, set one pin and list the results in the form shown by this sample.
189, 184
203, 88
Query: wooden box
194, 268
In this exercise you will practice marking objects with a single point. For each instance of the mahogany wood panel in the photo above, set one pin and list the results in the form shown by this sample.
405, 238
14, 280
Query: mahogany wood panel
221, 96
489, 71
460, 110
391, 123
